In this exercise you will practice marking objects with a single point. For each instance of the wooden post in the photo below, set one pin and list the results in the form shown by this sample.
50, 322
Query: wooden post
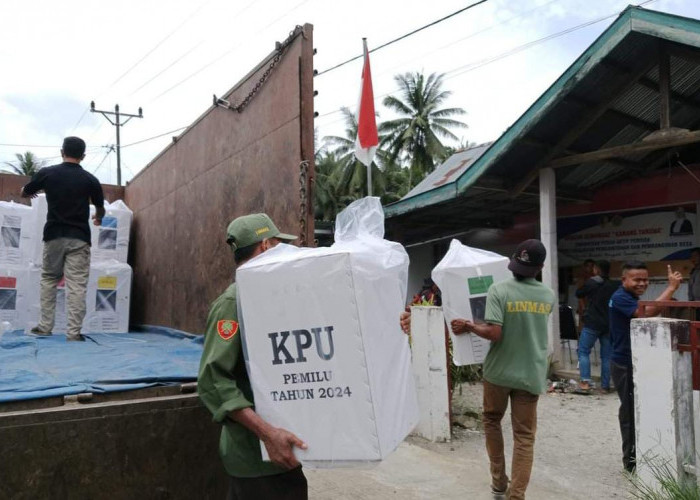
664, 87
548, 235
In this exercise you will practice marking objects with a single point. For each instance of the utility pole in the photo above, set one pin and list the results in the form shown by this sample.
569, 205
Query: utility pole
117, 123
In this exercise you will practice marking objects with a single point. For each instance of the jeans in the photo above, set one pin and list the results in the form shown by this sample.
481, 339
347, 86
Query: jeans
585, 344
523, 416
624, 383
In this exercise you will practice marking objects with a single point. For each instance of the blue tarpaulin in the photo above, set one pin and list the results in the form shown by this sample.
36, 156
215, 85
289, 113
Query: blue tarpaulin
39, 367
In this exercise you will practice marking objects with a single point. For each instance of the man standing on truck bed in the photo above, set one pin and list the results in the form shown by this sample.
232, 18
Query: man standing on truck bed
225, 389
69, 191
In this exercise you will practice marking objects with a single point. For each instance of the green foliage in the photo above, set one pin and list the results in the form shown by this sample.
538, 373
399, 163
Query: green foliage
26, 164
669, 486
408, 148
414, 136
462, 374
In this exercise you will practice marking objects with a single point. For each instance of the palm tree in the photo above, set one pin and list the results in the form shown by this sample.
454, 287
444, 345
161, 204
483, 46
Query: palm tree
27, 164
351, 178
414, 137
325, 192
397, 180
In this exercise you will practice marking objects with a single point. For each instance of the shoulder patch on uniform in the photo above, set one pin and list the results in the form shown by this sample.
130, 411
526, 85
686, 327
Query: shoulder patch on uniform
227, 328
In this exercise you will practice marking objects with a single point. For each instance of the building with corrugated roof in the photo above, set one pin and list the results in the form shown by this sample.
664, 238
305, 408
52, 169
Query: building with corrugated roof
604, 165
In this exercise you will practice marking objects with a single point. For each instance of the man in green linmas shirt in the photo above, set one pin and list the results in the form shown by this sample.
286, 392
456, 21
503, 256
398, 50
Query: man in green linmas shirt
515, 367
225, 389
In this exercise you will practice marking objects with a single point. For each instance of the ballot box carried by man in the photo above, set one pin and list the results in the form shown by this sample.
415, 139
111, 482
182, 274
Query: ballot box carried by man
324, 351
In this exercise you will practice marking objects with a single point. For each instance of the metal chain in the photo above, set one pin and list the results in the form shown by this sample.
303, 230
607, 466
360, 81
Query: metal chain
281, 48
303, 202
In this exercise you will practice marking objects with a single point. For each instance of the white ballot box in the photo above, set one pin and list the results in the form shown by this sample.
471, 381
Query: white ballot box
324, 350
17, 234
464, 276
16, 292
107, 299
110, 240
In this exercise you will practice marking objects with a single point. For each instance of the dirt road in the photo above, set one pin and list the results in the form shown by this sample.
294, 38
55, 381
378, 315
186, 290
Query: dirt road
577, 456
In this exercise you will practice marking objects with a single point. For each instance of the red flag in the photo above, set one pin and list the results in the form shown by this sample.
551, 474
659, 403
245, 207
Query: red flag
367, 137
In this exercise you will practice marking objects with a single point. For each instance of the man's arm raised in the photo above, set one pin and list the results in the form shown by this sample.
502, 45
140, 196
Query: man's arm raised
674, 281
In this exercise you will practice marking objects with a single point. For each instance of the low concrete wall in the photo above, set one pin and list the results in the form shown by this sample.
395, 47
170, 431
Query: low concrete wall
163, 447
663, 397
430, 372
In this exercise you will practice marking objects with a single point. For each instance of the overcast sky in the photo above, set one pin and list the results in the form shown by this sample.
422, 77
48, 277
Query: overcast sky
170, 56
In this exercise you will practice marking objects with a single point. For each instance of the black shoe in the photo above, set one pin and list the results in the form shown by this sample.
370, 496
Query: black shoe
75, 338
499, 495
39, 332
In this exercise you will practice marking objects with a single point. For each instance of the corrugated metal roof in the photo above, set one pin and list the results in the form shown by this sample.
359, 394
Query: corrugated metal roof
619, 74
450, 170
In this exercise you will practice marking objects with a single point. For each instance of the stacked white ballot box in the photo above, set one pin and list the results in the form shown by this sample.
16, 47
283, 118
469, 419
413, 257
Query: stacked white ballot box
464, 276
107, 299
110, 240
324, 350
109, 282
17, 234
16, 295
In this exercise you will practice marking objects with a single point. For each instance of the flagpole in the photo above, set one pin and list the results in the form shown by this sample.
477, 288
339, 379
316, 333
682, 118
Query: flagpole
367, 139
369, 167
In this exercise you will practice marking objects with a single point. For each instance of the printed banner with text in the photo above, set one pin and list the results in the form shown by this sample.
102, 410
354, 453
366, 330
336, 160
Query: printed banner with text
646, 235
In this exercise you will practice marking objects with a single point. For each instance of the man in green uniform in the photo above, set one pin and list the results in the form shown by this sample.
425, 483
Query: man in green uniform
225, 389
515, 367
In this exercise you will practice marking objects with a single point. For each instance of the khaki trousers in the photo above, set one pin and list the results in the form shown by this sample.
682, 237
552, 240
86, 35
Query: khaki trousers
69, 258
523, 414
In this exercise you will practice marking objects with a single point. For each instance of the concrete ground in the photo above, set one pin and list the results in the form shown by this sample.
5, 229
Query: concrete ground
577, 456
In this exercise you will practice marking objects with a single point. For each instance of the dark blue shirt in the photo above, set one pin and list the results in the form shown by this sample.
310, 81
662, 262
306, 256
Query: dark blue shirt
69, 190
623, 305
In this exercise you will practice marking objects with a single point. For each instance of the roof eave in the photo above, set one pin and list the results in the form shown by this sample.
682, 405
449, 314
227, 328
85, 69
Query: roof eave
583, 65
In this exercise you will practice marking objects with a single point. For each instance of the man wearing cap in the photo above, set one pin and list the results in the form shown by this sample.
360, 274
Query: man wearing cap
225, 388
69, 191
516, 365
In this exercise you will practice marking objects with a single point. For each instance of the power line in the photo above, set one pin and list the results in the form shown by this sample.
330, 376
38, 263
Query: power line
154, 137
79, 121
471, 35
117, 124
478, 64
111, 148
157, 45
460, 70
404, 36
225, 54
180, 58
200, 69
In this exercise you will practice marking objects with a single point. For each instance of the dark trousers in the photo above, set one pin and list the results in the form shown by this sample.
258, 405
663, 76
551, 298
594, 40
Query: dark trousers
289, 485
624, 384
